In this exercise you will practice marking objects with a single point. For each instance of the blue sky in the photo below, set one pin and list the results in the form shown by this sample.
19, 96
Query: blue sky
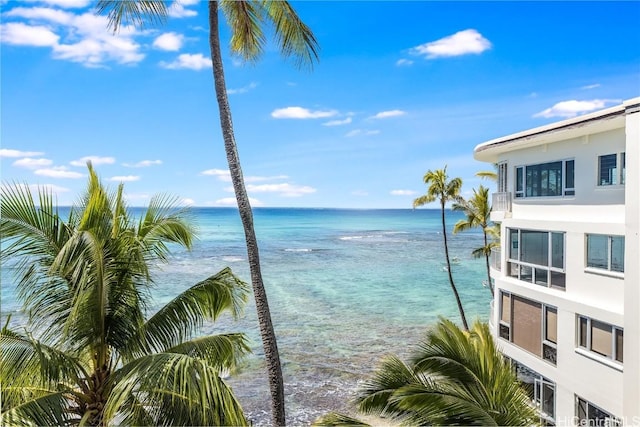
400, 88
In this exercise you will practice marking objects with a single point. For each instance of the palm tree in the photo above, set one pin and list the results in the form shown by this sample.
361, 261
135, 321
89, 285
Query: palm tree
245, 19
90, 356
478, 214
444, 191
455, 377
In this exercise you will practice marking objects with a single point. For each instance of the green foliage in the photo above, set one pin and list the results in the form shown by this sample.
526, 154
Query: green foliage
455, 377
85, 283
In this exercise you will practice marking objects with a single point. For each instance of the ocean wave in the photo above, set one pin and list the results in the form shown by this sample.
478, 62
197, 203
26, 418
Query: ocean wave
231, 258
299, 250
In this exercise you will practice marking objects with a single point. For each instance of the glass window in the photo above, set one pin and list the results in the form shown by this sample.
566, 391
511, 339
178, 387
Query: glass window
546, 179
623, 167
551, 324
590, 415
557, 250
607, 169
519, 182
619, 344
605, 252
601, 338
537, 257
569, 189
597, 252
617, 253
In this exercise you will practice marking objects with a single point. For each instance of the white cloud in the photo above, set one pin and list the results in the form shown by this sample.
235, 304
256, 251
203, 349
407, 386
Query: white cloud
461, 43
284, 189
387, 114
82, 38
404, 62
338, 122
244, 89
125, 178
143, 163
189, 61
68, 3
593, 86
573, 108
222, 174
403, 192
58, 172
42, 13
187, 202
357, 132
169, 41
301, 113
7, 152
21, 34
231, 201
95, 160
178, 9
31, 163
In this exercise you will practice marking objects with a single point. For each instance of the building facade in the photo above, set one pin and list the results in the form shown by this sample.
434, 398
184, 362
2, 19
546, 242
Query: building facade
566, 308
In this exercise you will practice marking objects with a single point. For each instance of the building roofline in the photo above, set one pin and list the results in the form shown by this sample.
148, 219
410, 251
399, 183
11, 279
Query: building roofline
626, 107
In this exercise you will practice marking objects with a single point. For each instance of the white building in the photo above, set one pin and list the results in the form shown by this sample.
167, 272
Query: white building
567, 278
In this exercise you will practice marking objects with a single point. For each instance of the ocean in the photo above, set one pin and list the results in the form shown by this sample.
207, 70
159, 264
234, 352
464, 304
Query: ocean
345, 288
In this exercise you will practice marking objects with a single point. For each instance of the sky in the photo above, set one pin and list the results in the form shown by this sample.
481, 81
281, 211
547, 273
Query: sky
400, 88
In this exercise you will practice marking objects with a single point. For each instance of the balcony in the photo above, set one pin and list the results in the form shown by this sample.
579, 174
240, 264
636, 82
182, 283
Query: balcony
495, 260
500, 206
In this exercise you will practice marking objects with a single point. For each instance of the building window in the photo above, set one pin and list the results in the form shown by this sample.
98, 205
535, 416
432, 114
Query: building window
502, 177
540, 390
608, 171
537, 257
553, 179
530, 325
605, 252
601, 338
589, 414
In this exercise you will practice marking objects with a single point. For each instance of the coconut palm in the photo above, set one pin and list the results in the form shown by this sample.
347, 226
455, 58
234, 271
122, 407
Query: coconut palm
89, 354
443, 190
246, 20
478, 214
455, 377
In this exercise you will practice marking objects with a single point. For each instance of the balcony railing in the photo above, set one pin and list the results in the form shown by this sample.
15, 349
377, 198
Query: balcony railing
501, 202
495, 259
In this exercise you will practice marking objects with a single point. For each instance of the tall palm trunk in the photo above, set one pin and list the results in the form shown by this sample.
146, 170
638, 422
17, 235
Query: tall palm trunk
267, 332
453, 286
486, 257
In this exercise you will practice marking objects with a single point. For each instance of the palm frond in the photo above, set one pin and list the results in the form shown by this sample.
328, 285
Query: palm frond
245, 19
294, 37
176, 389
223, 351
180, 318
132, 12
423, 200
47, 410
490, 175
30, 369
334, 419
375, 395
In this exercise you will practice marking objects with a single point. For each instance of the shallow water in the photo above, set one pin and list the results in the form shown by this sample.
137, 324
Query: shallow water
345, 287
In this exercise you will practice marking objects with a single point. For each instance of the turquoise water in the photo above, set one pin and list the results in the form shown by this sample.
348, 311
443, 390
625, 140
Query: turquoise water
345, 287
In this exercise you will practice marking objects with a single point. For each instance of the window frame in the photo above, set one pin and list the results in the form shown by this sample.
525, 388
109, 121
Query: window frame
506, 326
520, 181
609, 420
617, 178
587, 347
610, 238
550, 269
